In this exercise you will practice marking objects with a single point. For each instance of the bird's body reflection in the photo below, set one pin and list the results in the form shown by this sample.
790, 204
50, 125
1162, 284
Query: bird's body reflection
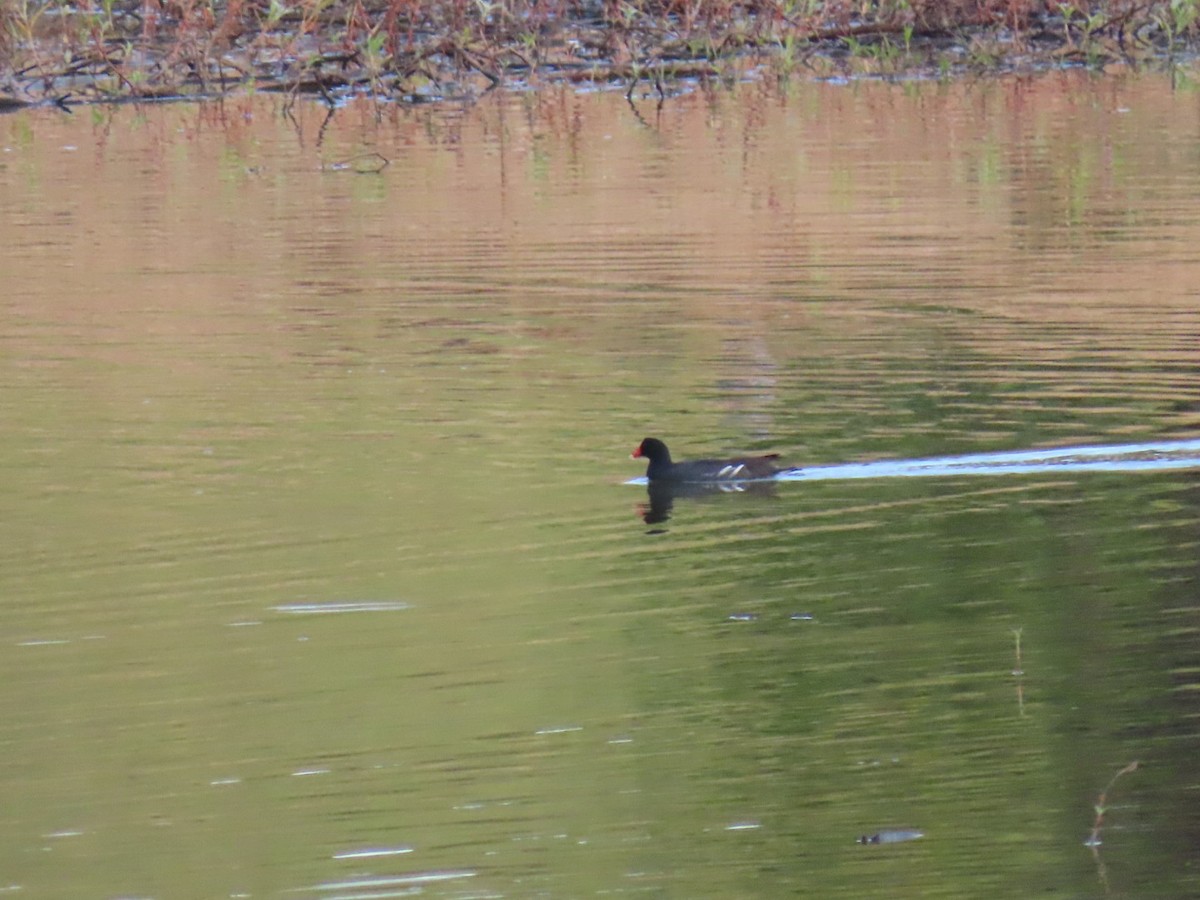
663, 494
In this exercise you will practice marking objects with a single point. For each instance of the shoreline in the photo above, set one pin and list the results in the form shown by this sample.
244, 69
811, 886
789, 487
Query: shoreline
423, 52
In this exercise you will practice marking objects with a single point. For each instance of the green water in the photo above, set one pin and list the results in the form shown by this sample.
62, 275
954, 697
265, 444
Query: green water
318, 575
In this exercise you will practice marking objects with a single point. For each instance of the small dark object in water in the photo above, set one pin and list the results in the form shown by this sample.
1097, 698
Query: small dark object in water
738, 468
891, 836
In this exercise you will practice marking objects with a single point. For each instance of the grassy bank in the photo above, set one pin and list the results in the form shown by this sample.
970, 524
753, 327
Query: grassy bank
419, 50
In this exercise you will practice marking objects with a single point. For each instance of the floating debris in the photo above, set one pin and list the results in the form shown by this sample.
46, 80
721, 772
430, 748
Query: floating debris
363, 164
891, 836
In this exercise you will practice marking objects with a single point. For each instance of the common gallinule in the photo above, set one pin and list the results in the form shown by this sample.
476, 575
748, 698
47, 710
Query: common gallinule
739, 468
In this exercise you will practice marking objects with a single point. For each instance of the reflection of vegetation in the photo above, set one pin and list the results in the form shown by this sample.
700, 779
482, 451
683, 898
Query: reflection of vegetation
420, 49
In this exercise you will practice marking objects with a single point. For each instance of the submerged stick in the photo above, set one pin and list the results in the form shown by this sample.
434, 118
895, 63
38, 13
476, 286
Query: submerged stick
1093, 842
1102, 806
1018, 672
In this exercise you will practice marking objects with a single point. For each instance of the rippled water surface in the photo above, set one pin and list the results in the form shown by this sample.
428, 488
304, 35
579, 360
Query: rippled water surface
320, 575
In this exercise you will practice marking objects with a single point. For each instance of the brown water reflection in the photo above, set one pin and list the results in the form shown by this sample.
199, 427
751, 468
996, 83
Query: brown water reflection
317, 570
